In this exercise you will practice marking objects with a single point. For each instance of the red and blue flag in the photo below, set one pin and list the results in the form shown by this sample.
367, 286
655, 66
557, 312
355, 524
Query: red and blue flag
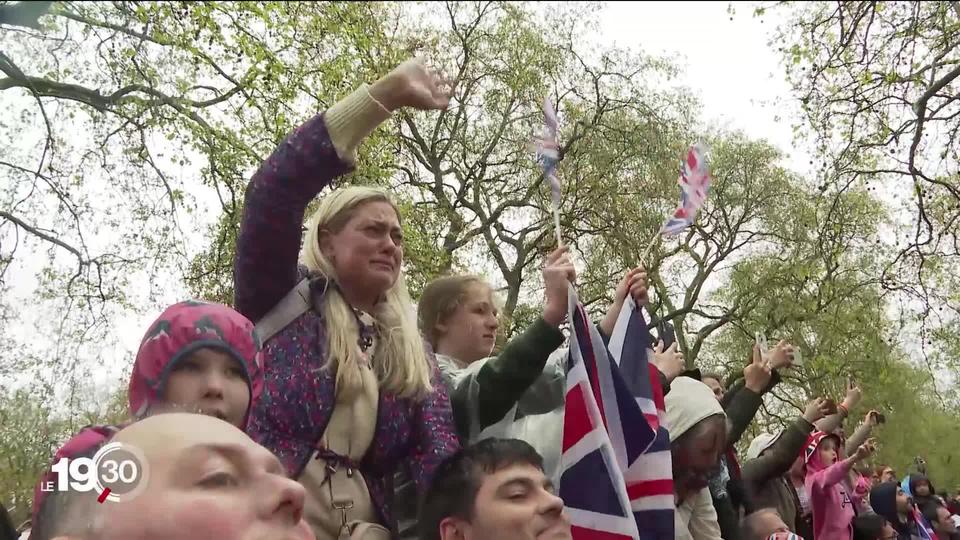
616, 473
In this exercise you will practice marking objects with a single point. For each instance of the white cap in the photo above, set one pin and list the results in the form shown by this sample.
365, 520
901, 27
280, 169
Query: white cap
760, 443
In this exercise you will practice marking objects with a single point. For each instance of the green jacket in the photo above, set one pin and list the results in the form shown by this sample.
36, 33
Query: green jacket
765, 479
483, 392
741, 405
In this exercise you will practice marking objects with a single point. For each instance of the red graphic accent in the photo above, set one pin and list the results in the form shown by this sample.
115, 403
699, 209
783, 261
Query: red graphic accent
103, 496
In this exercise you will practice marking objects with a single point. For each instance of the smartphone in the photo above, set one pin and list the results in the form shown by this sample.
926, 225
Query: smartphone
666, 334
796, 358
831, 406
881, 419
762, 344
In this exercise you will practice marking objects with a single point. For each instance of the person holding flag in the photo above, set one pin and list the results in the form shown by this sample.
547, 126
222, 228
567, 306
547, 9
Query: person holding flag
518, 393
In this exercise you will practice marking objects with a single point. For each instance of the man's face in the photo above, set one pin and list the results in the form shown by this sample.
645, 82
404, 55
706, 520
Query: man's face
715, 386
888, 475
207, 480
514, 503
695, 458
903, 502
945, 522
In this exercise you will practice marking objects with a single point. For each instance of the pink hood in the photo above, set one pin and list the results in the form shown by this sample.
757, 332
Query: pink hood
828, 488
183, 328
87, 441
810, 455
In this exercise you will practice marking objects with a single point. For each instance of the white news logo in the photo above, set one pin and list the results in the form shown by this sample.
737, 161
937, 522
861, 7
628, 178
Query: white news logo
117, 472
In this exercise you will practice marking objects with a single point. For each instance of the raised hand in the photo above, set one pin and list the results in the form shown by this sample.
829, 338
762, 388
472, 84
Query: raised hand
817, 409
412, 84
557, 272
669, 362
634, 283
781, 356
866, 450
757, 375
854, 395
872, 419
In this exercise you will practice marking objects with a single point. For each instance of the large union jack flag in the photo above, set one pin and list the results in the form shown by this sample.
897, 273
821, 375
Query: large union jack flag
616, 474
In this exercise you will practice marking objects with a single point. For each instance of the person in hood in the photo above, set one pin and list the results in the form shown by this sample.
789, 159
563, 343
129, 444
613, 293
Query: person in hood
771, 459
698, 433
56, 513
196, 356
740, 403
918, 487
832, 500
889, 500
201, 357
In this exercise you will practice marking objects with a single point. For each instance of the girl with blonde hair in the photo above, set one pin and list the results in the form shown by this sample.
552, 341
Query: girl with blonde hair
350, 391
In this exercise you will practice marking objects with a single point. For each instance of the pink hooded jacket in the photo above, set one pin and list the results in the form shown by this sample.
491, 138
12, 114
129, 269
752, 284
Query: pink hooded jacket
182, 329
832, 505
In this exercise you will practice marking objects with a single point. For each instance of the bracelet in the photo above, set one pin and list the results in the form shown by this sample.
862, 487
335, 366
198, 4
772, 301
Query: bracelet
843, 408
375, 100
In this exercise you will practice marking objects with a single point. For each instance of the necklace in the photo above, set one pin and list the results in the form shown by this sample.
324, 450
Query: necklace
367, 331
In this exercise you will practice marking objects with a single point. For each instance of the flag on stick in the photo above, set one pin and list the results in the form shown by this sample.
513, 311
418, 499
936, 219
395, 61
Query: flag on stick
547, 149
694, 183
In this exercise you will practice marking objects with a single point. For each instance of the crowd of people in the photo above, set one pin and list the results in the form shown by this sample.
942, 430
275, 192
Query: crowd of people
348, 412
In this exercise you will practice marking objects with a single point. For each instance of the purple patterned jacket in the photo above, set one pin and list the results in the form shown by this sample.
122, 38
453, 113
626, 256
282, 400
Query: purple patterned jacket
298, 397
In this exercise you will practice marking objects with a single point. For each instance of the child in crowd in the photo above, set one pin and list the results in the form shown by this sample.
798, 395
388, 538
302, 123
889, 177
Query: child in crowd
831, 499
196, 356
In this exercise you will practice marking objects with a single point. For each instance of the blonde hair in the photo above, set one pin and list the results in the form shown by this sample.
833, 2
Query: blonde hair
400, 362
440, 299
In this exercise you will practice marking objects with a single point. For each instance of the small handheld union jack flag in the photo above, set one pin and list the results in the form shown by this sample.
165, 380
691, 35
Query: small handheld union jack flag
547, 149
694, 184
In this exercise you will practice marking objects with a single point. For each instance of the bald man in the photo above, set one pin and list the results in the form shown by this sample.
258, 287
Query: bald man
207, 479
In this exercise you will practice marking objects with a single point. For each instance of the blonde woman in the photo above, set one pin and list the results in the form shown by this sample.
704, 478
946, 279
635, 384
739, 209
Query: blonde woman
350, 391
520, 392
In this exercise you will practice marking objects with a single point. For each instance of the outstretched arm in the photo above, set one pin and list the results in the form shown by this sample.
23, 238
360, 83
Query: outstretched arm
309, 159
776, 461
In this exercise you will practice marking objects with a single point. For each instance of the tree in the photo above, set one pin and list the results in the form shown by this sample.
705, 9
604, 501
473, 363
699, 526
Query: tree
164, 93
879, 84
169, 93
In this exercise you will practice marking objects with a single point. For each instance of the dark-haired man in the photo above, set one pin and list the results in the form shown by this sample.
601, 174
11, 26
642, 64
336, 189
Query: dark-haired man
493, 490
940, 518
